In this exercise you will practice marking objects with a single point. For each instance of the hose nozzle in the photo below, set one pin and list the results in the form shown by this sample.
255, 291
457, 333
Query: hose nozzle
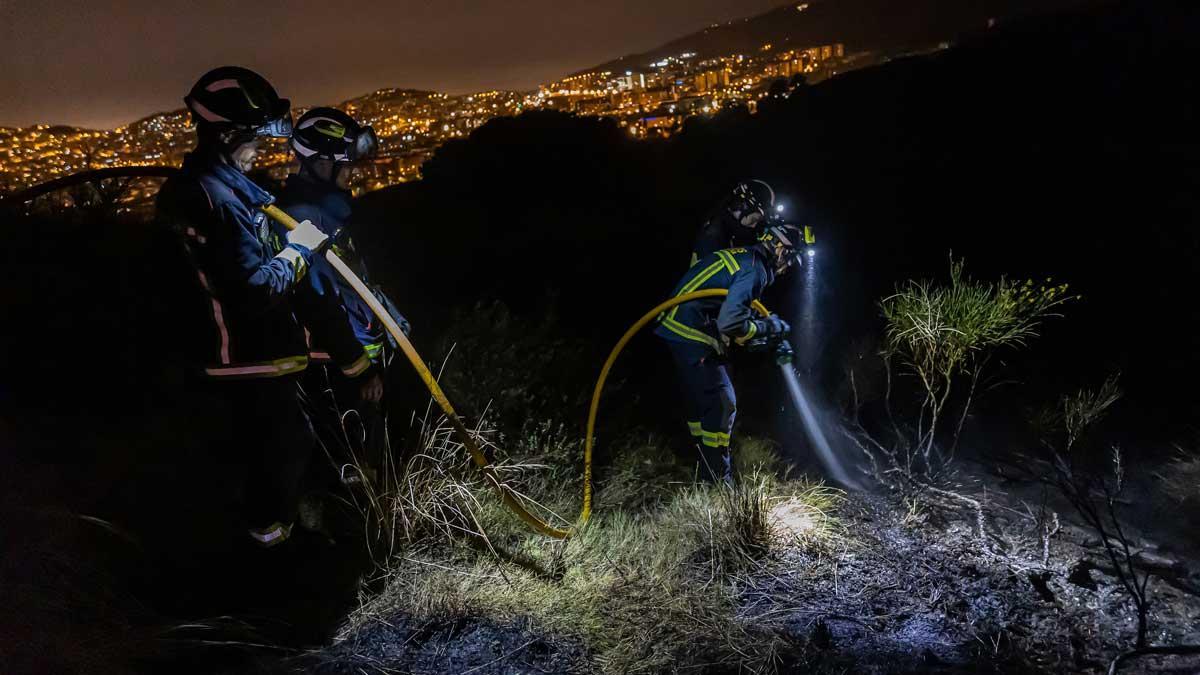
784, 354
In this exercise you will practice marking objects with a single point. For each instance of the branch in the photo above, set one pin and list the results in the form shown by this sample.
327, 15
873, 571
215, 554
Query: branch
1170, 650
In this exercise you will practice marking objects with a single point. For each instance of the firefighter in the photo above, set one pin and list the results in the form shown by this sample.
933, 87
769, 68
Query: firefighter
701, 333
737, 220
329, 144
254, 350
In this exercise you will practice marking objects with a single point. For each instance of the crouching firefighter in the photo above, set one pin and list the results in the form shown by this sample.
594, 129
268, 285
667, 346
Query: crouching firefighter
255, 349
329, 144
701, 333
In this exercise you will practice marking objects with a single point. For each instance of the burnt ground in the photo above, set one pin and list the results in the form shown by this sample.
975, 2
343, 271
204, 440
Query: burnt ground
463, 645
902, 588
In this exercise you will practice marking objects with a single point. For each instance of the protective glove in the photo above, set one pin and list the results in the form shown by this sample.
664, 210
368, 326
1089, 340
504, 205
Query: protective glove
773, 326
307, 235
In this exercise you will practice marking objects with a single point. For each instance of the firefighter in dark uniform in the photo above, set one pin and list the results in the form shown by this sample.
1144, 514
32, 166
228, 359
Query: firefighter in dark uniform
329, 144
737, 220
255, 349
701, 333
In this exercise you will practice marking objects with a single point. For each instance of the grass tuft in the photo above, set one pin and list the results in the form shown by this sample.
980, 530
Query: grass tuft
650, 584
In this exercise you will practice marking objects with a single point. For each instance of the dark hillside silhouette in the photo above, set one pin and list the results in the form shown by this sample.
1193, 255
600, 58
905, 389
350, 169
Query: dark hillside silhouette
1057, 147
863, 25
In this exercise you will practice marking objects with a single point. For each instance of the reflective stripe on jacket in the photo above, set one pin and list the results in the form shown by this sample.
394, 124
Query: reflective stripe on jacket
716, 321
246, 285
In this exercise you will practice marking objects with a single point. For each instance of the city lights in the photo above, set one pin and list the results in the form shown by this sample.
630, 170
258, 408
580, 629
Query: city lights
652, 101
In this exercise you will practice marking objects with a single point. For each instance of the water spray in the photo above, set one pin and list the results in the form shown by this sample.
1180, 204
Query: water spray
785, 357
812, 428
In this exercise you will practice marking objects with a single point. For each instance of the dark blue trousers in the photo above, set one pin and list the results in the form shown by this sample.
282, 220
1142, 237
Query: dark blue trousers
710, 403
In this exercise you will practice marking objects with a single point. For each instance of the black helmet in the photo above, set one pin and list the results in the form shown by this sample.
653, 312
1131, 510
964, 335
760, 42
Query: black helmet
328, 133
791, 237
752, 195
237, 98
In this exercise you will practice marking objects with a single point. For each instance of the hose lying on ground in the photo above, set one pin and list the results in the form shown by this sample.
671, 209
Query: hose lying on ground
460, 429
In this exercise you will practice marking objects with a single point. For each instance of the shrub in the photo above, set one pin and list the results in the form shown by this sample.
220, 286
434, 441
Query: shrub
944, 336
1181, 479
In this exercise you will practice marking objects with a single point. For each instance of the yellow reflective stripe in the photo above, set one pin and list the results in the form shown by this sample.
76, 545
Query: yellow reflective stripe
276, 368
360, 364
730, 263
373, 350
749, 334
696, 282
715, 439
694, 428
695, 259
699, 279
724, 261
690, 333
275, 533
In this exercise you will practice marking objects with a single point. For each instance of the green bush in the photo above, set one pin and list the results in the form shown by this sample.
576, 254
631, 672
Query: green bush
943, 336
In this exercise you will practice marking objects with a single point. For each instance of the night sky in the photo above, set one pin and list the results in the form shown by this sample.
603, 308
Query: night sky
104, 64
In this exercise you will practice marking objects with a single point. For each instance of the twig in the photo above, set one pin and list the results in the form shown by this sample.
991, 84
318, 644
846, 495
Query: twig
1176, 650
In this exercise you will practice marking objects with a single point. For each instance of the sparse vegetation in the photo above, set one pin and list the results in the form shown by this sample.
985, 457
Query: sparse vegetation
1180, 479
1094, 493
944, 337
651, 584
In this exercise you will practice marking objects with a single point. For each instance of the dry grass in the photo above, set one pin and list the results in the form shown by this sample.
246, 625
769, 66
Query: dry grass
1181, 479
650, 585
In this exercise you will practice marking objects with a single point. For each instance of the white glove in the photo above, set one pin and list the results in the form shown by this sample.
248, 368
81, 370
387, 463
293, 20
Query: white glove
307, 235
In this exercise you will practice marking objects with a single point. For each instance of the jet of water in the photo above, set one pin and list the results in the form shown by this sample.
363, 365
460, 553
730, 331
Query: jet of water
812, 427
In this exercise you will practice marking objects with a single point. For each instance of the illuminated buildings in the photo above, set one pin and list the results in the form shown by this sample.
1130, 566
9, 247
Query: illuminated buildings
649, 100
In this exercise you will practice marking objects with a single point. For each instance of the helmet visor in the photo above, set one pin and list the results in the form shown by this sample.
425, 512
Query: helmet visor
366, 145
280, 127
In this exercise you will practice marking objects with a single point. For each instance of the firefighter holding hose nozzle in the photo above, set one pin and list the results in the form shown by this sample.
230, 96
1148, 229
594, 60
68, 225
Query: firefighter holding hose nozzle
701, 333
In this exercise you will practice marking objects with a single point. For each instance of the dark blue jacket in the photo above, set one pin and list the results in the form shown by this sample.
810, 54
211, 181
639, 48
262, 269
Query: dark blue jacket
717, 321
329, 209
251, 292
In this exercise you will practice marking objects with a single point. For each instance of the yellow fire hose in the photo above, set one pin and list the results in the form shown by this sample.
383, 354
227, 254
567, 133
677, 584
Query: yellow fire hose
460, 429
427, 377
612, 358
